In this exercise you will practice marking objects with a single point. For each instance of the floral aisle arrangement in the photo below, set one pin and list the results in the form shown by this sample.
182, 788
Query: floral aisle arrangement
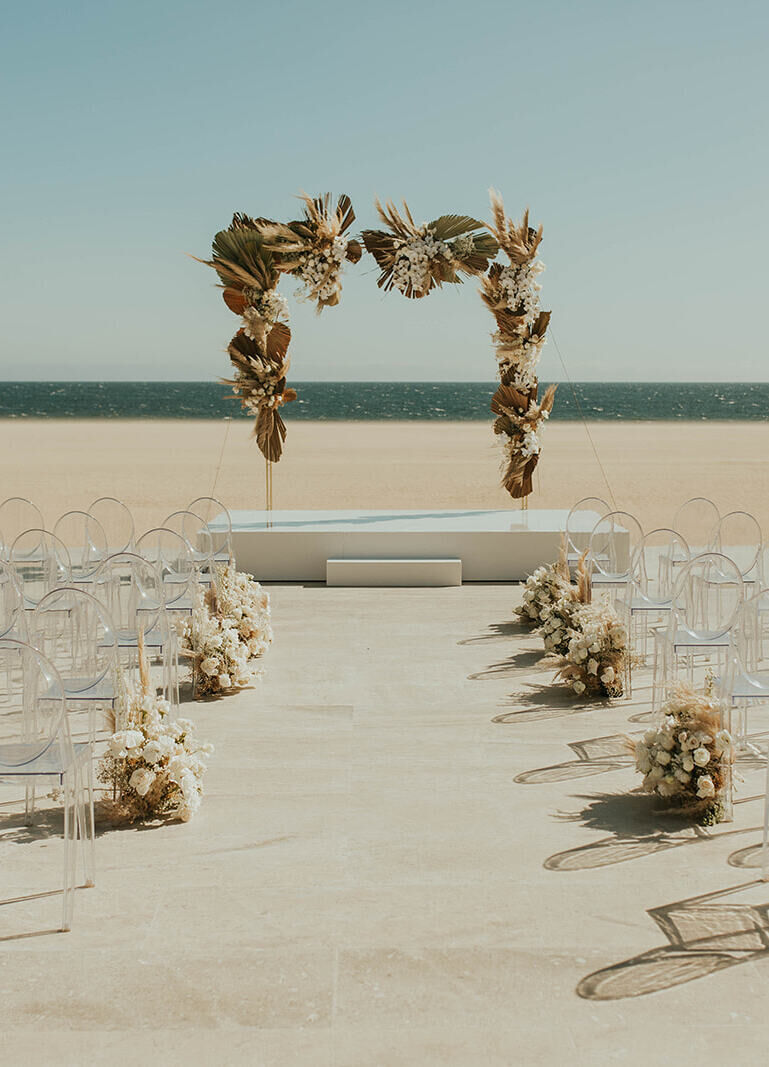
597, 651
543, 589
211, 641
154, 764
246, 605
511, 293
417, 259
687, 759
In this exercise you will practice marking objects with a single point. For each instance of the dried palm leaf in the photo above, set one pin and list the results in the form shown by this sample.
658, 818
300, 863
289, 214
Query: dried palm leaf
519, 242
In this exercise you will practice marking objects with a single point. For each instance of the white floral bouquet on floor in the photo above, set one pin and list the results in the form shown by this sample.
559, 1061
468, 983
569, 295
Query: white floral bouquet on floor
154, 764
597, 651
559, 620
246, 605
543, 589
687, 759
220, 659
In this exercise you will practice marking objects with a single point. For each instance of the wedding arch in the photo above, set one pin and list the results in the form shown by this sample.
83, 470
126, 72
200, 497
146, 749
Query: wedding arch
251, 256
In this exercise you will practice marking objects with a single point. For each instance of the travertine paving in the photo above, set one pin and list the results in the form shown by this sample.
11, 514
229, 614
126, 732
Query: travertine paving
400, 860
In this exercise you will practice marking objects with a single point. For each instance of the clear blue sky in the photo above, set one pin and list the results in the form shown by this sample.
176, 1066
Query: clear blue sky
635, 131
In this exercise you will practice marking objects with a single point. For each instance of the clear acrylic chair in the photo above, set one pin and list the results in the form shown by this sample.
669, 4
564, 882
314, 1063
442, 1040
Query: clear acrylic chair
219, 523
40, 562
172, 557
648, 595
611, 548
580, 522
76, 633
738, 536
86, 541
37, 751
17, 514
195, 532
707, 597
12, 621
116, 521
696, 520
132, 590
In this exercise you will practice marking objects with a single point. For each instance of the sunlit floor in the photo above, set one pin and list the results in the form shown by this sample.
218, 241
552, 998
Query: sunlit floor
414, 849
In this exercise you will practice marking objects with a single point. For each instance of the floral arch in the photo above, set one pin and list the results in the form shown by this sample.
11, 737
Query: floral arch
251, 256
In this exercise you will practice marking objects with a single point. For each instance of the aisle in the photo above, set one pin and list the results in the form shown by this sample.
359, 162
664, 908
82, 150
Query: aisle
366, 882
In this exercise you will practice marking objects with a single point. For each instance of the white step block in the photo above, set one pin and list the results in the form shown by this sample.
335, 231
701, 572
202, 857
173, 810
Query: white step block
394, 572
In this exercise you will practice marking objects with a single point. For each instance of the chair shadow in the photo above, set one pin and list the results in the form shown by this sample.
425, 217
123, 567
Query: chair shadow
546, 702
497, 631
48, 823
598, 755
523, 660
638, 827
703, 937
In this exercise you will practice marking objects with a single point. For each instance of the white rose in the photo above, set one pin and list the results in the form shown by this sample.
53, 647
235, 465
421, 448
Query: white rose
688, 764
663, 758
579, 688
592, 666
225, 681
656, 773
141, 780
682, 776
667, 742
705, 787
595, 648
153, 752
701, 757
209, 666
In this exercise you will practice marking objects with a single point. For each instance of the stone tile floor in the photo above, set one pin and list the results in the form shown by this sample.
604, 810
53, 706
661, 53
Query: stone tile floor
414, 849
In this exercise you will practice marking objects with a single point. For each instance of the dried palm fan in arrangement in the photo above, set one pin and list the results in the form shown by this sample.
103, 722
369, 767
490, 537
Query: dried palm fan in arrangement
511, 293
417, 259
314, 249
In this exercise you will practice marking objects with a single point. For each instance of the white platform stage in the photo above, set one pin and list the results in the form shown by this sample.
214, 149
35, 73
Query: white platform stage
493, 546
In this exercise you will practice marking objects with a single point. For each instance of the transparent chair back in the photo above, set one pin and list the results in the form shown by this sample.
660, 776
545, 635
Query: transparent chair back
11, 604
219, 522
580, 521
195, 532
707, 597
30, 728
131, 590
738, 536
40, 561
696, 521
652, 576
116, 521
613, 544
17, 514
86, 541
75, 631
172, 557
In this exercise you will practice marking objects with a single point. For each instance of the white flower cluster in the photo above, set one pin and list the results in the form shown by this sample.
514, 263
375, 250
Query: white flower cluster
684, 757
269, 307
521, 290
220, 658
542, 591
518, 360
414, 255
154, 764
245, 605
558, 622
530, 445
321, 271
597, 650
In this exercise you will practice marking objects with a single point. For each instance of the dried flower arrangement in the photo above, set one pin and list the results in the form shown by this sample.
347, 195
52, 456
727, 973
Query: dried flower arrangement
544, 589
417, 259
154, 764
687, 759
597, 651
511, 293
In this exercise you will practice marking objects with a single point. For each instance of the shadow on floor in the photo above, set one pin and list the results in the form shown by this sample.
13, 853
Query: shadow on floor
550, 701
597, 755
496, 631
524, 660
638, 828
703, 937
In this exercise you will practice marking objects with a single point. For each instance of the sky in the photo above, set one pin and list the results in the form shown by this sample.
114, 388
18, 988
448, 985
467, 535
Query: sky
634, 131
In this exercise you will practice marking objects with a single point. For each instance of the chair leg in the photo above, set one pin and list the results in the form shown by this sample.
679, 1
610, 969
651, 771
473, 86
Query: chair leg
70, 845
765, 842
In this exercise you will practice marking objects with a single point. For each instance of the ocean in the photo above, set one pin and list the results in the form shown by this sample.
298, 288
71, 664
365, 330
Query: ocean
413, 401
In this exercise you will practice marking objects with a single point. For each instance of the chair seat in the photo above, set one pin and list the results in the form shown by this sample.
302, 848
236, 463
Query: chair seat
751, 686
46, 765
683, 639
639, 604
152, 639
79, 689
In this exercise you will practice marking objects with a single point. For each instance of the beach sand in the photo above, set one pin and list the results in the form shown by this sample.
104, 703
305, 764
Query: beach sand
159, 466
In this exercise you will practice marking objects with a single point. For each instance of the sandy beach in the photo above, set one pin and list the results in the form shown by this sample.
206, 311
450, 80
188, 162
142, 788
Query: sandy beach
158, 466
